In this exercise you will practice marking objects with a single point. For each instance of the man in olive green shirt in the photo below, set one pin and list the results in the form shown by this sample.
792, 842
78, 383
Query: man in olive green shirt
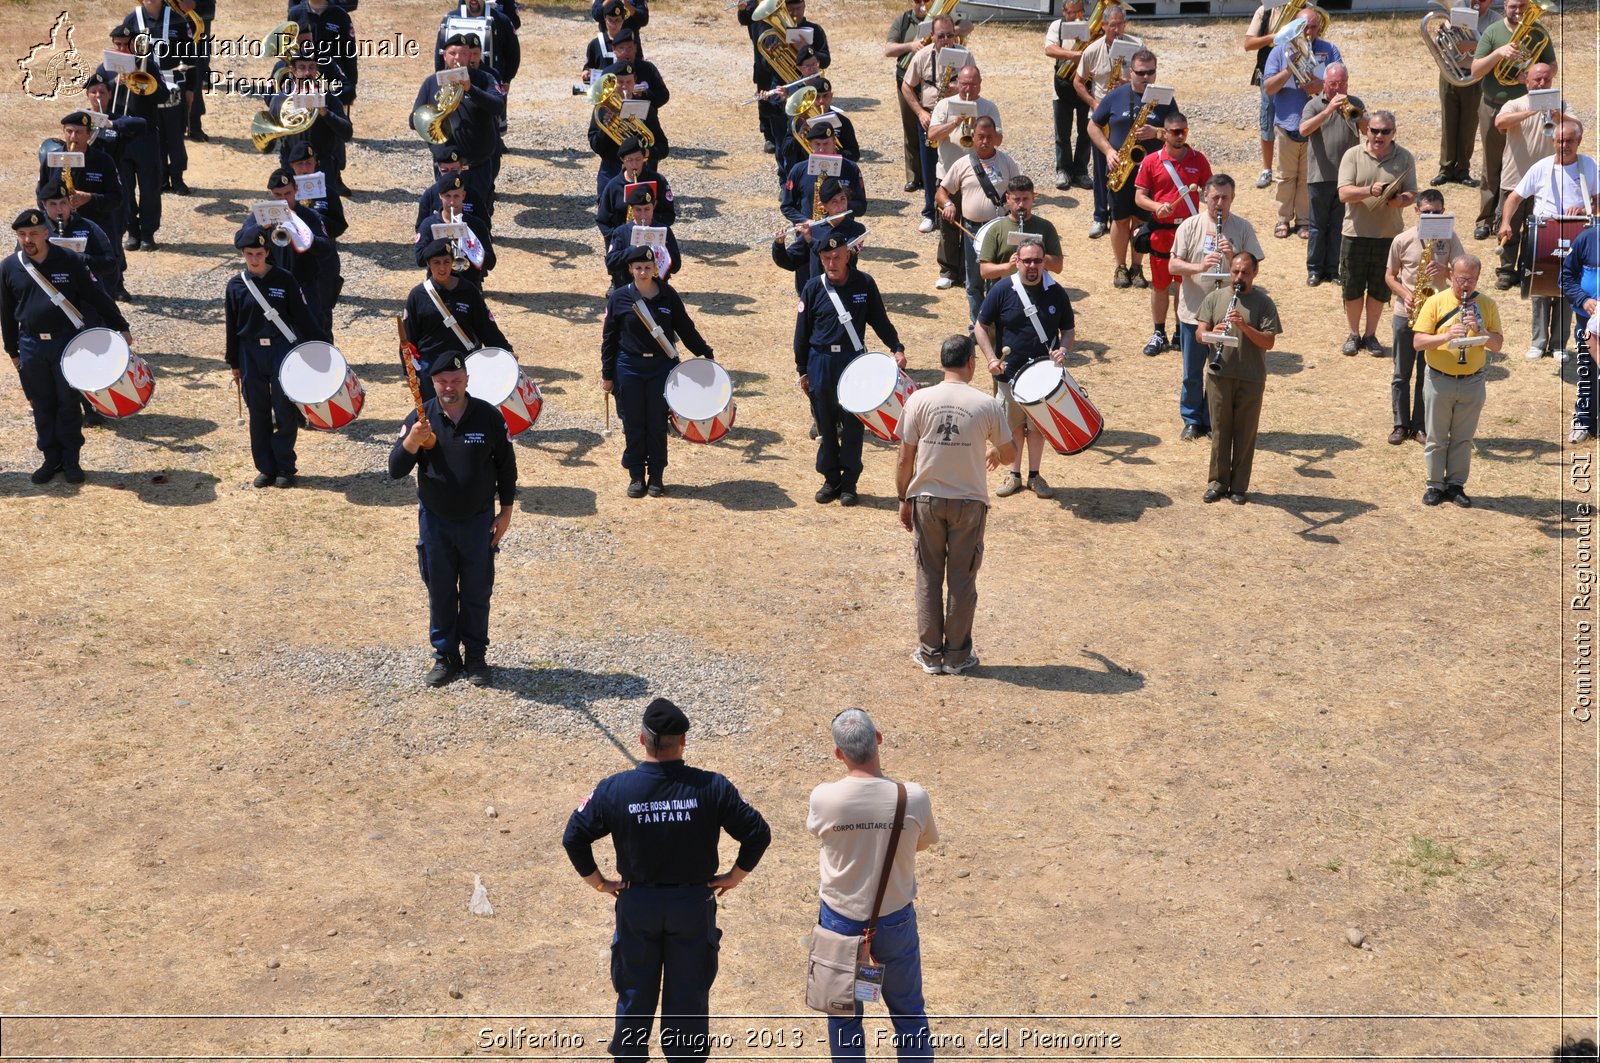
996, 254
1236, 376
1371, 222
903, 42
1493, 47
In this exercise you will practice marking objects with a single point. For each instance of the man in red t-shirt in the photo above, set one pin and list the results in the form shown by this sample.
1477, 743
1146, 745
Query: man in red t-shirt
1167, 187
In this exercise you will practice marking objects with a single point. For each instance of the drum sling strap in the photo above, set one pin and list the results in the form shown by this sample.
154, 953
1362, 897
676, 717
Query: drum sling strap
983, 180
1183, 191
856, 346
642, 311
266, 307
449, 319
62, 303
1029, 310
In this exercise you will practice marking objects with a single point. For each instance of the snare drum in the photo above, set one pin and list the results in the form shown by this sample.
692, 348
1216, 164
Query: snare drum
875, 389
99, 363
700, 403
315, 377
1057, 406
1549, 241
494, 376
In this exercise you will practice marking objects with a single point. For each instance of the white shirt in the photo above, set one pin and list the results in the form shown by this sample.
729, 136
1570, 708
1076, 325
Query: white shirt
950, 148
1557, 189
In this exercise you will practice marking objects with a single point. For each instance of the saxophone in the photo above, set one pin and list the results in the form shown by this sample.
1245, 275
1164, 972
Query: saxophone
1115, 179
1423, 289
1116, 77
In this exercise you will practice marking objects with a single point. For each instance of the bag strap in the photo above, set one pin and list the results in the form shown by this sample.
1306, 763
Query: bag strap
888, 860
983, 179
844, 316
641, 310
266, 307
62, 303
1029, 310
449, 319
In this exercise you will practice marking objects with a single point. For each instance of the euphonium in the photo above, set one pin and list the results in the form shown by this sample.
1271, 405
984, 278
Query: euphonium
1302, 61
606, 99
195, 20
1451, 46
773, 43
1529, 39
801, 107
1129, 153
290, 119
280, 41
1286, 14
1067, 67
1423, 289
430, 119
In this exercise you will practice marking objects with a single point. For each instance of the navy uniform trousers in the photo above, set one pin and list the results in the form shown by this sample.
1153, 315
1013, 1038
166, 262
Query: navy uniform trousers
642, 403
143, 174
666, 943
839, 431
457, 565
274, 420
57, 414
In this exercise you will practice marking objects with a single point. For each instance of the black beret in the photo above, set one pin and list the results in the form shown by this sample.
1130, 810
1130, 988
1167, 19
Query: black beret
808, 52
625, 34
629, 145
620, 69
448, 183
447, 362
818, 130
829, 188
300, 55
662, 717
96, 78
456, 40
251, 235
472, 40
637, 254
122, 32
641, 196
29, 219
446, 153
281, 178
615, 9
301, 152
824, 86
435, 248
51, 188
833, 241
80, 119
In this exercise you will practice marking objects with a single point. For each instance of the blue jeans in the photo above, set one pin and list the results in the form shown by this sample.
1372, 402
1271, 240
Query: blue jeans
975, 282
665, 945
1192, 393
896, 946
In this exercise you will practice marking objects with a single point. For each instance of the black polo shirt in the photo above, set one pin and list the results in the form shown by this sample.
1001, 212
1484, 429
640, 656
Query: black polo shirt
472, 461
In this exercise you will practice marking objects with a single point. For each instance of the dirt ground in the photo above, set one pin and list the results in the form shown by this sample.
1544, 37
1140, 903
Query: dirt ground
1205, 745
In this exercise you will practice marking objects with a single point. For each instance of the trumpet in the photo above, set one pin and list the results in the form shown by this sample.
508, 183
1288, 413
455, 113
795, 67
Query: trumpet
1351, 111
965, 140
280, 236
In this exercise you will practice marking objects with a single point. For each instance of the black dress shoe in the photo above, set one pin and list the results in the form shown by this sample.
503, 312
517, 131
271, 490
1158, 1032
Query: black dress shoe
1438, 179
1504, 279
442, 673
1189, 433
766, 146
46, 472
131, 243
1083, 180
93, 418
848, 498
1213, 494
655, 489
913, 186
1482, 230
178, 187
199, 136
1464, 179
149, 245
636, 489
286, 481
1455, 494
825, 494
1238, 498
1432, 496
477, 670
263, 479
1312, 280
72, 472
122, 295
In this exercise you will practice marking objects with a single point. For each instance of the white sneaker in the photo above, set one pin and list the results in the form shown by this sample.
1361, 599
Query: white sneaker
964, 667
925, 664
943, 282
1580, 435
1534, 354
926, 226
1563, 355
1264, 179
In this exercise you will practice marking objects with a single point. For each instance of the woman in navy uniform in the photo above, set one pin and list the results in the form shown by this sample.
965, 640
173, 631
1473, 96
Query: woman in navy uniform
257, 344
426, 326
464, 460
35, 331
665, 819
637, 168
824, 343
634, 363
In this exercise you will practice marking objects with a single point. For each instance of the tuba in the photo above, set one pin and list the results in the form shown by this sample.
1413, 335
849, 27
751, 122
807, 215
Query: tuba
287, 120
195, 20
773, 43
431, 120
1286, 14
939, 9
606, 99
281, 41
1067, 67
801, 107
1451, 47
1529, 39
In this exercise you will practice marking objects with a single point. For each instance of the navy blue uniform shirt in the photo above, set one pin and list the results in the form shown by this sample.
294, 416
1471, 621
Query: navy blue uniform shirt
426, 328
817, 328
665, 819
1002, 305
24, 305
611, 211
799, 191
471, 463
1117, 108
625, 332
247, 325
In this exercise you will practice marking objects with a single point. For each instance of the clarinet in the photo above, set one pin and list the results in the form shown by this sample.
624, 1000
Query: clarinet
1227, 330
1470, 318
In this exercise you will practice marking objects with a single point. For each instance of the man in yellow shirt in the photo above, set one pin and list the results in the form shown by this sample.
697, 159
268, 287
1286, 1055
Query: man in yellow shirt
1454, 393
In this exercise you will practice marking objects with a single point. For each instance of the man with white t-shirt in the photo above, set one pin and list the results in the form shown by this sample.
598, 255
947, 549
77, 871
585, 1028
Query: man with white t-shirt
1566, 183
854, 817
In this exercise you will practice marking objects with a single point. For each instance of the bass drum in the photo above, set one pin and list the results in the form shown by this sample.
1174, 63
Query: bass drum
1549, 241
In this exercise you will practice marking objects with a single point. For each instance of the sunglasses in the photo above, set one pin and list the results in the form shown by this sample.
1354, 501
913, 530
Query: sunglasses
1145, 73
1375, 131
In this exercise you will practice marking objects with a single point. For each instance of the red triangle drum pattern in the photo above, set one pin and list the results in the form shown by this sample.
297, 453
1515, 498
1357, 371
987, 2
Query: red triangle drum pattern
1066, 417
700, 406
522, 407
129, 394
340, 408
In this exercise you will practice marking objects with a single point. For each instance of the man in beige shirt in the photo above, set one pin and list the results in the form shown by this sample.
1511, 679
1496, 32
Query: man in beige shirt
1373, 217
920, 91
1527, 141
978, 180
1092, 80
853, 817
946, 131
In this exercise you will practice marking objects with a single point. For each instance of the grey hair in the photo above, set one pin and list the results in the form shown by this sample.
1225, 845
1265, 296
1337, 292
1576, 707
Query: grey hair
1467, 261
855, 735
1389, 115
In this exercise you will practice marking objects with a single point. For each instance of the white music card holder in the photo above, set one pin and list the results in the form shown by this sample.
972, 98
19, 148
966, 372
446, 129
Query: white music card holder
309, 101
1123, 48
1464, 18
649, 236
119, 62
1017, 238
454, 75
951, 58
638, 110
1159, 95
824, 165
100, 120
450, 230
959, 108
1545, 100
311, 186
270, 212
832, 120
71, 243
1436, 226
800, 37
63, 160
1074, 31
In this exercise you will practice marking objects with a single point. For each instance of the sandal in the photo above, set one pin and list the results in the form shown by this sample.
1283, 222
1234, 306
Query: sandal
1282, 230
1303, 231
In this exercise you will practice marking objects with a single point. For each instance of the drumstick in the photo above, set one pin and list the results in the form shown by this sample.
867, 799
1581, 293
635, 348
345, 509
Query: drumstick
238, 390
608, 410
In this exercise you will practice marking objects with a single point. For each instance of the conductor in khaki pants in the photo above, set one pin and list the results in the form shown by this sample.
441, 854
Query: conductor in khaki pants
854, 817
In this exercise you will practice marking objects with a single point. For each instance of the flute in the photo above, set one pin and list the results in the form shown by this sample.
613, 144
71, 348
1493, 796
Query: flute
408, 354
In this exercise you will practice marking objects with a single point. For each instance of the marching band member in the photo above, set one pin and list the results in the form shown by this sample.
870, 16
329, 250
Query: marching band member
920, 90
946, 134
503, 43
1458, 119
903, 42
810, 68
835, 309
800, 189
117, 139
329, 207
1454, 394
266, 315
1289, 98
199, 74
844, 131
1580, 283
996, 258
1029, 313
309, 254
451, 193
770, 107
1204, 243
328, 131
464, 461
35, 331
334, 36
1111, 129
1402, 276
1166, 188
635, 19
1371, 224
473, 129
800, 256
99, 249
1564, 183
447, 162
977, 180
619, 251
446, 314
599, 55
1526, 142
1330, 131
1236, 377
612, 209
143, 173
97, 190
1093, 81
600, 141
1494, 45
170, 38
1258, 39
1068, 109
645, 319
